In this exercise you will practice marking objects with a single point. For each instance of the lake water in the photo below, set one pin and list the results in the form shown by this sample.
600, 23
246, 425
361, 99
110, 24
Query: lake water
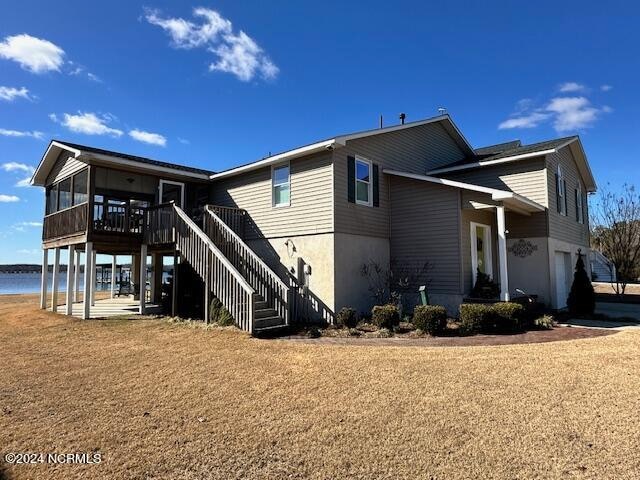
12, 283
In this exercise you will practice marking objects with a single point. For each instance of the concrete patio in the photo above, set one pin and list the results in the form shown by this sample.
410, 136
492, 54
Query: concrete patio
113, 307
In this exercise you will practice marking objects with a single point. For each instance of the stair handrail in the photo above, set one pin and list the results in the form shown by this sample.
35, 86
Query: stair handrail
272, 288
225, 292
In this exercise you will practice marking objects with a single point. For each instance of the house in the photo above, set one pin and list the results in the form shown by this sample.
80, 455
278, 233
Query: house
285, 238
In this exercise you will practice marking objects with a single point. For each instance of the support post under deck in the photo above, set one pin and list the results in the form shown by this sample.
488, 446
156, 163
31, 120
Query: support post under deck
56, 280
44, 281
70, 276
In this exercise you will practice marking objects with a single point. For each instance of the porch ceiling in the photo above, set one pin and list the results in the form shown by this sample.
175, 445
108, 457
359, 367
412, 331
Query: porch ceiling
512, 201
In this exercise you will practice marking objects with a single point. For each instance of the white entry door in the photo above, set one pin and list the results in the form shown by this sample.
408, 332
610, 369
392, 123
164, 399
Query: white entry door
562, 279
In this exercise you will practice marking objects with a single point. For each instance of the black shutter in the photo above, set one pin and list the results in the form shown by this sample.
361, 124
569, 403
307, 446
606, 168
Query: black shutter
577, 205
376, 187
351, 179
564, 188
558, 206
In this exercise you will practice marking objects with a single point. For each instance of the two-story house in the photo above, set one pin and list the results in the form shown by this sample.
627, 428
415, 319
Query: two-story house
285, 238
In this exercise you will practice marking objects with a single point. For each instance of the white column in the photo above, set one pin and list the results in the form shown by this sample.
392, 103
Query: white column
206, 289
113, 277
502, 254
76, 282
56, 280
143, 277
70, 277
45, 278
174, 286
88, 255
93, 277
152, 284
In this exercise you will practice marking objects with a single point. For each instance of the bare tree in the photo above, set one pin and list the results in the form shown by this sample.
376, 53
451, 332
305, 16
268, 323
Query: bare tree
389, 286
615, 231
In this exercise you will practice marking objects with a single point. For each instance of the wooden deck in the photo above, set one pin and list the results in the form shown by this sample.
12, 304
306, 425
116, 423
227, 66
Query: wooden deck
113, 307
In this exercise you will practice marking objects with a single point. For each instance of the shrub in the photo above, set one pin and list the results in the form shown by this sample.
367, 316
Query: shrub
385, 316
219, 314
505, 317
473, 317
544, 322
582, 299
430, 318
347, 317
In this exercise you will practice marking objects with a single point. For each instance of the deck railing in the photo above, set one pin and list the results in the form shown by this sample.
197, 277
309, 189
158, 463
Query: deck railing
220, 276
67, 222
234, 218
264, 280
159, 220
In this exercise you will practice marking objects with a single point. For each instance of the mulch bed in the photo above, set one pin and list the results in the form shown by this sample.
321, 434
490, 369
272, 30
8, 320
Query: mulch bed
534, 336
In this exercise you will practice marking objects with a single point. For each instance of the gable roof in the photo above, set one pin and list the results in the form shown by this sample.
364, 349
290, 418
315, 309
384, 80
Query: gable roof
85, 152
522, 152
341, 140
516, 202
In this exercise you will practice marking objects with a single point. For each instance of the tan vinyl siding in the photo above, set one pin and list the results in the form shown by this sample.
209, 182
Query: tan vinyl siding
425, 220
523, 226
311, 209
525, 177
414, 150
562, 227
65, 166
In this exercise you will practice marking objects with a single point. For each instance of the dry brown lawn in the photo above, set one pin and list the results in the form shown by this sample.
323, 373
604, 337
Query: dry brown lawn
161, 401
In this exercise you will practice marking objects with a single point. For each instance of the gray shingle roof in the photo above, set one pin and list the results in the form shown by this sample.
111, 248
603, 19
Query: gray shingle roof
531, 148
135, 158
497, 148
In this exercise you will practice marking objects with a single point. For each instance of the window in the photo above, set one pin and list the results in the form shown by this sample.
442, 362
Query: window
52, 199
561, 190
579, 204
363, 182
64, 194
80, 187
281, 186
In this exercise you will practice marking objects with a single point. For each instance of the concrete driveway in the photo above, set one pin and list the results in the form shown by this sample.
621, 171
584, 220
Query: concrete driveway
619, 310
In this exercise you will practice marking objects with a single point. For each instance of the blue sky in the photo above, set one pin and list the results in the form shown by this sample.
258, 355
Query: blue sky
215, 84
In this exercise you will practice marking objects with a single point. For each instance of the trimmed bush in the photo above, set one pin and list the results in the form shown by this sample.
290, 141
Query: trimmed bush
347, 317
385, 316
582, 299
219, 314
505, 317
473, 317
431, 319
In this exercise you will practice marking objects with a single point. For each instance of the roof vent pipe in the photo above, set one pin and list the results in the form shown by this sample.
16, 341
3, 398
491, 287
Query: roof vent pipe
380, 121
402, 117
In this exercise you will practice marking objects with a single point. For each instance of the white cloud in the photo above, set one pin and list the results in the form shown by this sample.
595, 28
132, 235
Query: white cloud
530, 120
184, 141
606, 88
237, 53
26, 251
11, 93
19, 133
19, 168
33, 54
23, 226
87, 123
16, 167
93, 77
569, 87
8, 198
572, 113
148, 137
